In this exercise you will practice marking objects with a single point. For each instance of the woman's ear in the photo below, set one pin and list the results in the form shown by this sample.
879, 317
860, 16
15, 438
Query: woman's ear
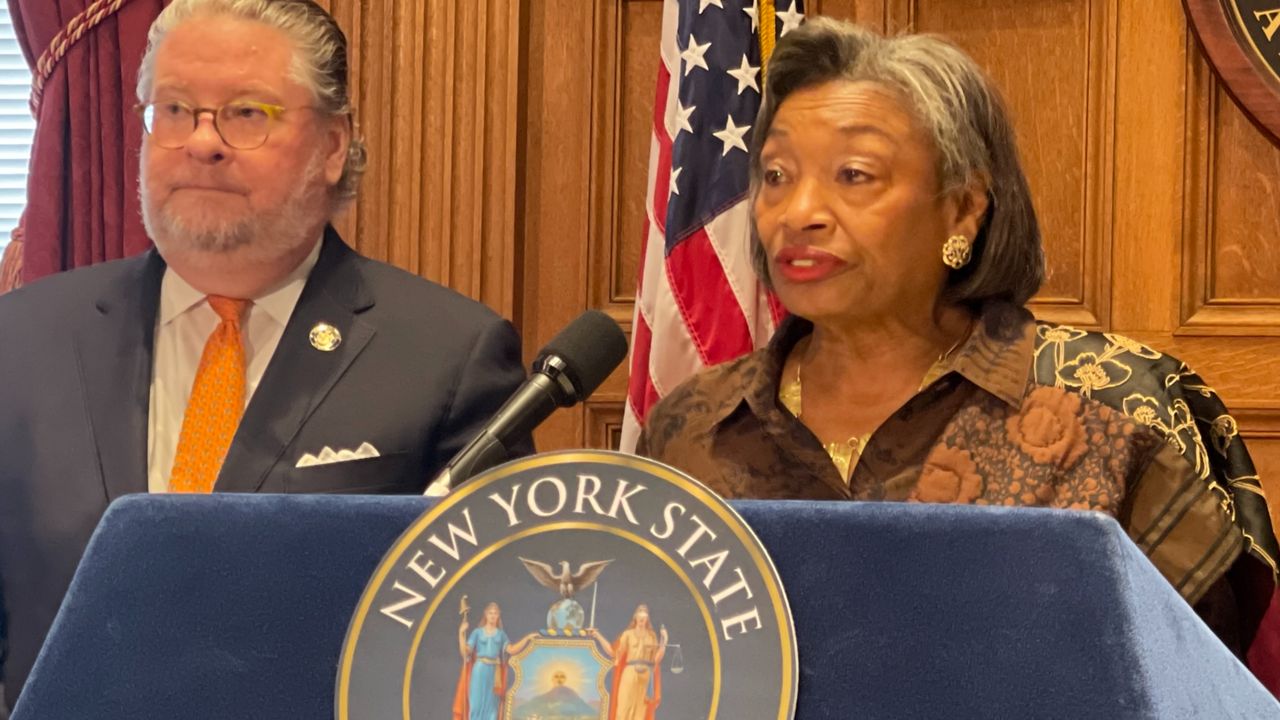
970, 205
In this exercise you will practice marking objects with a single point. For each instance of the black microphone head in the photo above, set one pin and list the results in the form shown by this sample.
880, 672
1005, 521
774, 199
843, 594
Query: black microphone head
588, 349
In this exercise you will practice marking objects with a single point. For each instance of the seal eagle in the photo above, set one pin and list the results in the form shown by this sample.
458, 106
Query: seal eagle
564, 582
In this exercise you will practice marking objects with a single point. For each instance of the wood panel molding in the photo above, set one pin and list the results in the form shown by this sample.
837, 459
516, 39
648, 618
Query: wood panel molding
613, 276
1262, 423
604, 424
438, 99
1204, 309
1240, 369
1082, 296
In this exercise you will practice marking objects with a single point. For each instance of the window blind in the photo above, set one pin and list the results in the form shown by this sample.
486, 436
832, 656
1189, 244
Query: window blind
16, 127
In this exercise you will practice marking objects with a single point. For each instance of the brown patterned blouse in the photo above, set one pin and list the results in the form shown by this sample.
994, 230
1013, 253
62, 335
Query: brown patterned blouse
1038, 415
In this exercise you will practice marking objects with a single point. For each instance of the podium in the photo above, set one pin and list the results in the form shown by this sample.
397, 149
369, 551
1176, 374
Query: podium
236, 606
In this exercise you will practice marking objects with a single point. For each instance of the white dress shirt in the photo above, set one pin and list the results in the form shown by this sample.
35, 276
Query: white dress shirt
183, 326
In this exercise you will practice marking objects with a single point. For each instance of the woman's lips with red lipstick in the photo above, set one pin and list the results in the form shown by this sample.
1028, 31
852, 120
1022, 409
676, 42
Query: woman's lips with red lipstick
802, 263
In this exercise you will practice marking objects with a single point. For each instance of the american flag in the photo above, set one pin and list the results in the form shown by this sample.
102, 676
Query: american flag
698, 302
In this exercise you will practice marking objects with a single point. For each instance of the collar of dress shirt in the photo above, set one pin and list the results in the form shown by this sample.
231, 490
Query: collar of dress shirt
999, 363
178, 297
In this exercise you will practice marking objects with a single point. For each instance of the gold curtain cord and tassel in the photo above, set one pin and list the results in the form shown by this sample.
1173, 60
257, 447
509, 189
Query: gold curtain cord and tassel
66, 38
11, 263
768, 33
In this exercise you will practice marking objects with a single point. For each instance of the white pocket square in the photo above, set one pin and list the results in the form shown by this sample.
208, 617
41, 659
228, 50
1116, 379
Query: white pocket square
329, 456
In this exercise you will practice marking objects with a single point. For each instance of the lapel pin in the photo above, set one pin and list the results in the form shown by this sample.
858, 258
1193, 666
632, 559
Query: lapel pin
325, 337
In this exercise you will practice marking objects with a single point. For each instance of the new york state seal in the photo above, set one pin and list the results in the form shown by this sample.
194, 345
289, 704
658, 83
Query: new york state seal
573, 586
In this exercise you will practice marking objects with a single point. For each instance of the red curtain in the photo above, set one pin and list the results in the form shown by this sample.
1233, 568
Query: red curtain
82, 192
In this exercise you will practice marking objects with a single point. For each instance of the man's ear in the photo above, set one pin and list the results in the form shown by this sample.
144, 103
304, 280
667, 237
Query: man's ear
338, 141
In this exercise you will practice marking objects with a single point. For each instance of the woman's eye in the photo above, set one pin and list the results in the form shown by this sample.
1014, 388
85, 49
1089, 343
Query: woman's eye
773, 176
851, 175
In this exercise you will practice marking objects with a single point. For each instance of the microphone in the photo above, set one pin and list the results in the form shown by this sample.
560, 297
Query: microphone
565, 373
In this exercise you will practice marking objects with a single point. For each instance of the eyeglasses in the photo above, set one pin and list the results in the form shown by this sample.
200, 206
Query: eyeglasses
242, 125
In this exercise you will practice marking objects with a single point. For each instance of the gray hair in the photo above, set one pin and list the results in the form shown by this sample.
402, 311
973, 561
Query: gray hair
960, 108
320, 63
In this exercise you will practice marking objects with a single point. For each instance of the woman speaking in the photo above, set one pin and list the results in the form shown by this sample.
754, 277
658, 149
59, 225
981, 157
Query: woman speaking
894, 222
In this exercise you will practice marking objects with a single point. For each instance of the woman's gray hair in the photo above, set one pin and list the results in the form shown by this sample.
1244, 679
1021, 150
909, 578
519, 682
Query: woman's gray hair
320, 62
959, 107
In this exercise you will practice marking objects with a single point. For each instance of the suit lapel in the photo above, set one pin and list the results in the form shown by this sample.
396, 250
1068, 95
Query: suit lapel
299, 375
114, 351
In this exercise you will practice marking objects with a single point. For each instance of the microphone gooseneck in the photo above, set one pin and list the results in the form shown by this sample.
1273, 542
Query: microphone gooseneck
571, 366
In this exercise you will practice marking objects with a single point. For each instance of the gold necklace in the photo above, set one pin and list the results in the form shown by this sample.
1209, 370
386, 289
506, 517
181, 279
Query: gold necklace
845, 454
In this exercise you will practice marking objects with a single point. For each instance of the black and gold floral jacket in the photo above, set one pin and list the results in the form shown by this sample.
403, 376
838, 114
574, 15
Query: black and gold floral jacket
1028, 414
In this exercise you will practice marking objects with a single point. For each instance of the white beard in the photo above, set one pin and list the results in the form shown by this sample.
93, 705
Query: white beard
263, 237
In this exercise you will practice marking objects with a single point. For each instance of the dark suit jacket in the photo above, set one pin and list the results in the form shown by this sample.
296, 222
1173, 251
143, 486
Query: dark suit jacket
418, 372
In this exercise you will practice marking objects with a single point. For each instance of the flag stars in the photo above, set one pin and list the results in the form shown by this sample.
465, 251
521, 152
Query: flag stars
682, 119
675, 175
791, 19
745, 74
732, 136
694, 55
753, 12
704, 4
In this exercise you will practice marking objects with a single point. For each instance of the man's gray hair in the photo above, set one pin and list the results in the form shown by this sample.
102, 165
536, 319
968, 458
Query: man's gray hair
320, 62
961, 110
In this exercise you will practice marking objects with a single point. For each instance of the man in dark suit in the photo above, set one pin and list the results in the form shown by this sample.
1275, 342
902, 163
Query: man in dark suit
252, 350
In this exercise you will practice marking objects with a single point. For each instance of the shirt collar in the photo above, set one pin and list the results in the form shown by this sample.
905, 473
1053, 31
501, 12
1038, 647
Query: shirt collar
177, 296
999, 354
279, 303
995, 359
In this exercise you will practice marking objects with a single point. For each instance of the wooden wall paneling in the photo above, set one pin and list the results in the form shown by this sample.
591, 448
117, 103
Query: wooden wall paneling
621, 123
437, 97
1149, 189
559, 60
867, 12
1055, 63
1229, 314
1166, 180
1230, 262
604, 425
627, 35
472, 196
386, 116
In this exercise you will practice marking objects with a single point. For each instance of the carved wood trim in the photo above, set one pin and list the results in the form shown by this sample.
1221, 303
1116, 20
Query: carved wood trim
1257, 421
1201, 313
609, 292
604, 424
1093, 308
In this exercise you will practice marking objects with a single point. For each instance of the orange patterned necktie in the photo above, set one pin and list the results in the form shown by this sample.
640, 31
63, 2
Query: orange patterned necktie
217, 401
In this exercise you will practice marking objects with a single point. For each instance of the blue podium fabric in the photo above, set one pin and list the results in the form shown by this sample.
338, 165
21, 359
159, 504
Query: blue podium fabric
237, 606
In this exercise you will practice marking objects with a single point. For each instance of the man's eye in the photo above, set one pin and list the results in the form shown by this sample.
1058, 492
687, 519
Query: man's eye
245, 112
170, 109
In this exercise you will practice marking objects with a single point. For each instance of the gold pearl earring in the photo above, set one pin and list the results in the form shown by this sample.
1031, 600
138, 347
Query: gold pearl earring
957, 251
